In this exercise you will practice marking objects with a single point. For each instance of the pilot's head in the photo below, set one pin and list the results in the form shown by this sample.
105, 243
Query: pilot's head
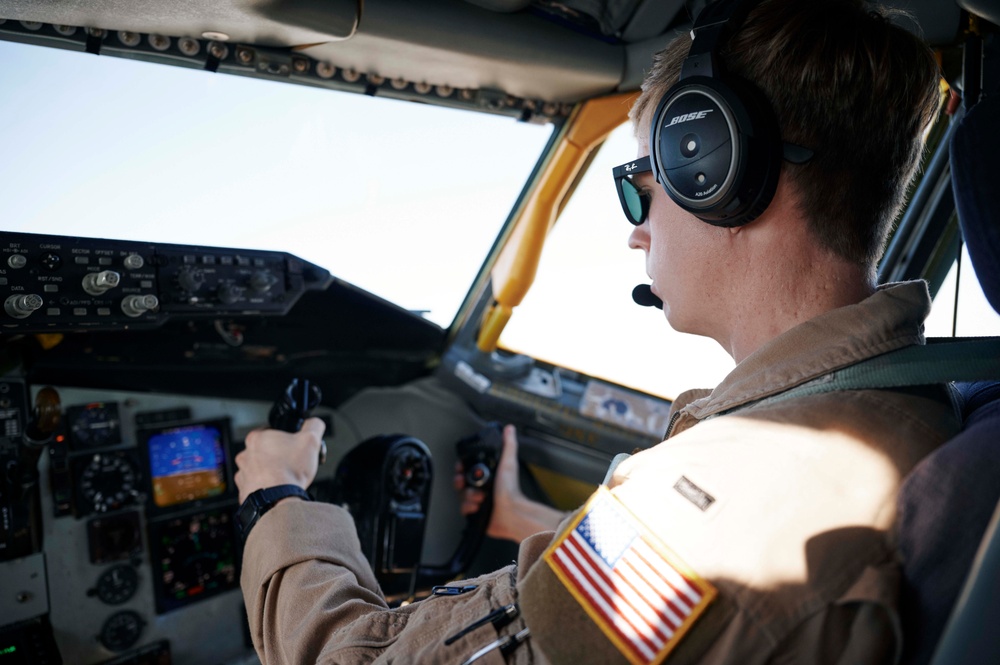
844, 82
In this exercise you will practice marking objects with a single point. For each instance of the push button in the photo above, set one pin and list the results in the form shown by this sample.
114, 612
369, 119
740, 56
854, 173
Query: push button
690, 145
51, 261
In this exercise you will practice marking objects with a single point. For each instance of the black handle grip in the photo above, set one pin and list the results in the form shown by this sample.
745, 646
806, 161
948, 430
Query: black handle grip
480, 455
293, 407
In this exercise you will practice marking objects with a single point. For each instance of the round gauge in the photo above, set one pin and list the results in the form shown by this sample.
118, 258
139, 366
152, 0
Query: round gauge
117, 584
121, 630
94, 425
108, 482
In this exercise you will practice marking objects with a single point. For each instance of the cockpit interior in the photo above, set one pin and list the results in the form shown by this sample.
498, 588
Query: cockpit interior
134, 363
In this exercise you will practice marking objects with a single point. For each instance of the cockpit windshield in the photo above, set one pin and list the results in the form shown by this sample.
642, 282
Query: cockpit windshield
403, 200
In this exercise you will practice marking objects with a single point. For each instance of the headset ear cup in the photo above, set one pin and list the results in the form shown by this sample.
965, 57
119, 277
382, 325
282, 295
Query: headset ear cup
715, 148
764, 152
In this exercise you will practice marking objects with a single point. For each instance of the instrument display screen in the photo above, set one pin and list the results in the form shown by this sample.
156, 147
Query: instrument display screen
187, 463
195, 557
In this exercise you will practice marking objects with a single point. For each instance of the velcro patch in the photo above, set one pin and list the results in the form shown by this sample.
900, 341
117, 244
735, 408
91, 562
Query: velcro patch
696, 495
643, 597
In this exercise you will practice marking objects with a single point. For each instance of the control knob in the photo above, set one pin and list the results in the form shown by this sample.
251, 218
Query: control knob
22, 305
137, 305
191, 279
96, 283
133, 262
229, 293
262, 281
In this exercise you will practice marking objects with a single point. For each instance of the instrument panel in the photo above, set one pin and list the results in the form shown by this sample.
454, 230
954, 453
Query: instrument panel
120, 421
137, 505
117, 513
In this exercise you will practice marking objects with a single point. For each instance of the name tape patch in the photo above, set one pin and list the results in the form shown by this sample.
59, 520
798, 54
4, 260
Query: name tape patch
694, 494
640, 594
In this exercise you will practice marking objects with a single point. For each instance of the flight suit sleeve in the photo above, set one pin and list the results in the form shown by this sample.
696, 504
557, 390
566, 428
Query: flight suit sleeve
311, 598
566, 629
295, 604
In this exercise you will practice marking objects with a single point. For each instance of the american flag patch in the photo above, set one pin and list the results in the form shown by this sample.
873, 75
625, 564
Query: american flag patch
642, 595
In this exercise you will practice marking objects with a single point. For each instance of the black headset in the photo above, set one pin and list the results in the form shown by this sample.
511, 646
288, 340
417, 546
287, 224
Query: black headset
714, 143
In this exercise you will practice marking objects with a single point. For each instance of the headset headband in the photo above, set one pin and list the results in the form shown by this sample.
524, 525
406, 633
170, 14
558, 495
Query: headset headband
713, 27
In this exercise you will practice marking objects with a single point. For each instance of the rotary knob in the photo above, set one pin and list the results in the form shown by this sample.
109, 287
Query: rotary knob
96, 283
137, 305
134, 262
229, 293
262, 281
22, 306
191, 279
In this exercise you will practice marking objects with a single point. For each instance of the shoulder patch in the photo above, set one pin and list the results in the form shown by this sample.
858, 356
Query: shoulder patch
641, 595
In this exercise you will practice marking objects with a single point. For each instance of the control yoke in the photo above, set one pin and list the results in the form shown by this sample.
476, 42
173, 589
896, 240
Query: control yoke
293, 407
385, 483
479, 455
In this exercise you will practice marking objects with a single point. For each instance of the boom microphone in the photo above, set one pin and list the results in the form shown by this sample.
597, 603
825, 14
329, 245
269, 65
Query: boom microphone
643, 295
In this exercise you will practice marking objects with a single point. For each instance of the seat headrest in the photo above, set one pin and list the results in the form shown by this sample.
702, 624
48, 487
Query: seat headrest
975, 175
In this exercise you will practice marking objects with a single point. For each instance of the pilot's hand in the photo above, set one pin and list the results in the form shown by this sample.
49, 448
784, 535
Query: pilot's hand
272, 457
515, 516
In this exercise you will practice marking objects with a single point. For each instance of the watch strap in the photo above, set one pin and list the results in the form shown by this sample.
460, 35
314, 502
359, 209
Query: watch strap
259, 502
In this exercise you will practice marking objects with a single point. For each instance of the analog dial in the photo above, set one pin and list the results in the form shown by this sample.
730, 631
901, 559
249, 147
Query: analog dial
109, 482
121, 630
94, 425
117, 584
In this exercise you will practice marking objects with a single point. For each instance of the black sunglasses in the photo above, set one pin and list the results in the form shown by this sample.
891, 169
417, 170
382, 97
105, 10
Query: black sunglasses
635, 204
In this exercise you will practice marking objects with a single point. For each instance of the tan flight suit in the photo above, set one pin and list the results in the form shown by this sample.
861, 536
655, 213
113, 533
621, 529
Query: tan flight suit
796, 538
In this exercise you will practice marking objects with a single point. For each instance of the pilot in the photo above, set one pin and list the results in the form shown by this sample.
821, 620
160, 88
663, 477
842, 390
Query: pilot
761, 529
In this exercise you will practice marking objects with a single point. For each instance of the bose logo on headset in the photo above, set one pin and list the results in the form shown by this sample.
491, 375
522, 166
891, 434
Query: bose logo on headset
697, 115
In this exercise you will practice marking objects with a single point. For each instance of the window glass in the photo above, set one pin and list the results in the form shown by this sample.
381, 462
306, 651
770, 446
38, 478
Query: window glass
579, 313
973, 317
401, 199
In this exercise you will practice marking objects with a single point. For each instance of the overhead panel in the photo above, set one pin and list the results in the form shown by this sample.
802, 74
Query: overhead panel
275, 23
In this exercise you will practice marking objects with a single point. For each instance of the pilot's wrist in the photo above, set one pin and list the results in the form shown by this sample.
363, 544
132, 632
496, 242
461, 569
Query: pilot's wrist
261, 501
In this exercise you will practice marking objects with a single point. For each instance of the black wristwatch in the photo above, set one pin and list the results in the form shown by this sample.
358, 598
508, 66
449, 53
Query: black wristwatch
261, 501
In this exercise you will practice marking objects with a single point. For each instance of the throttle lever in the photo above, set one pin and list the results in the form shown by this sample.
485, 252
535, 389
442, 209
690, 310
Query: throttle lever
294, 406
